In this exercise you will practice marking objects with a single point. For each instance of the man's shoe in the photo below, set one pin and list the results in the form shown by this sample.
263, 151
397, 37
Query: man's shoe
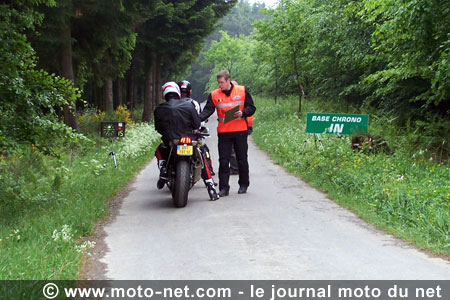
223, 193
160, 184
242, 189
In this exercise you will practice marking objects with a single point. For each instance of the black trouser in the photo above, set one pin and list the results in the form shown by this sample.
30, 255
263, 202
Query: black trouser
233, 161
238, 140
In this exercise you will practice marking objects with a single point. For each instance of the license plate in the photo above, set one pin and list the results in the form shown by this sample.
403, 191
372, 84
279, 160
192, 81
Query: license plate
185, 150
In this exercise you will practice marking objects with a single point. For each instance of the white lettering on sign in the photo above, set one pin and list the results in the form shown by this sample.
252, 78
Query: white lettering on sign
336, 128
347, 119
321, 118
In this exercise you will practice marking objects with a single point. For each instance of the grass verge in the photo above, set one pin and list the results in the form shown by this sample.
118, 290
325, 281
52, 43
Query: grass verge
49, 205
401, 192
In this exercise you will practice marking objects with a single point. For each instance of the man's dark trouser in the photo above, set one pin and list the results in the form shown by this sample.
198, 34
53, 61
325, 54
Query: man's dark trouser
239, 141
233, 162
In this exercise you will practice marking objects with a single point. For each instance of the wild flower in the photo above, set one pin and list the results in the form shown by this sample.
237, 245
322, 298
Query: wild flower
138, 139
86, 245
100, 115
122, 114
13, 236
64, 235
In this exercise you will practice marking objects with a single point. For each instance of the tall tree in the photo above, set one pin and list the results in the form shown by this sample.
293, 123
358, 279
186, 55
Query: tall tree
106, 39
238, 22
28, 95
414, 37
173, 38
287, 32
57, 30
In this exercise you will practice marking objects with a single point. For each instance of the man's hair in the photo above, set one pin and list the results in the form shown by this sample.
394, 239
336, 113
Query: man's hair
171, 95
223, 74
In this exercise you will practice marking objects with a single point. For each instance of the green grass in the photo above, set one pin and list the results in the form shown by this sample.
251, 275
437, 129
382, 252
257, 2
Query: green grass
402, 191
48, 206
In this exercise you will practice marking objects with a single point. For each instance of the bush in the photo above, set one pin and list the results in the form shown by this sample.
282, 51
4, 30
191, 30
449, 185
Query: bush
89, 121
28, 95
49, 205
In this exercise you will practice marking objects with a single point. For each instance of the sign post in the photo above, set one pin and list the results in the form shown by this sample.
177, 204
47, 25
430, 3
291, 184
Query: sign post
325, 123
112, 130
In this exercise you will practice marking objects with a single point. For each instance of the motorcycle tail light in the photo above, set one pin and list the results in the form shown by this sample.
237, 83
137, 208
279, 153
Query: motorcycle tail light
185, 140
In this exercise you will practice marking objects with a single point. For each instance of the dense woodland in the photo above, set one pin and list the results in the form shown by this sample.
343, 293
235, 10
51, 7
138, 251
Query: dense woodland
392, 55
60, 57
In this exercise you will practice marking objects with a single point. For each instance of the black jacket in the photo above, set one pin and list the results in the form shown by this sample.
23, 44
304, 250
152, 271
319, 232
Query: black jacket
176, 118
196, 104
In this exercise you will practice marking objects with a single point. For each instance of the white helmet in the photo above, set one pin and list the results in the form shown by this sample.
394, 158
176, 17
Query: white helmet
171, 87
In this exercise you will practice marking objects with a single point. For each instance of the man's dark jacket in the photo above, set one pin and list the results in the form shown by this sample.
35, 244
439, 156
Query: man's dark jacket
175, 118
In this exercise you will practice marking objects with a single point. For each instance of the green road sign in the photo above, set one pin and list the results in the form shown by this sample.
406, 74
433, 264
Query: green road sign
336, 123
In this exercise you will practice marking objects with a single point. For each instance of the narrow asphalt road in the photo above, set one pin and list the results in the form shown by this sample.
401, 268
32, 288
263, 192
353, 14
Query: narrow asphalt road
281, 229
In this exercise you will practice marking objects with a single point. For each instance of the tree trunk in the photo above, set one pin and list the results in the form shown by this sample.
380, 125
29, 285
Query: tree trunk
97, 94
140, 93
108, 90
297, 75
158, 84
70, 118
148, 92
118, 93
276, 82
130, 89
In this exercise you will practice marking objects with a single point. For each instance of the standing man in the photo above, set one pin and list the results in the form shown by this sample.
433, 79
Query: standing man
232, 132
233, 162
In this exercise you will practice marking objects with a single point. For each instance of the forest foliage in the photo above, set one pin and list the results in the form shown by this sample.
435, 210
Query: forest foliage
389, 53
108, 53
391, 56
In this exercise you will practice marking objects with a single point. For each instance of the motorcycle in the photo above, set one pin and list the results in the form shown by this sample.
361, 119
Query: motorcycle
184, 166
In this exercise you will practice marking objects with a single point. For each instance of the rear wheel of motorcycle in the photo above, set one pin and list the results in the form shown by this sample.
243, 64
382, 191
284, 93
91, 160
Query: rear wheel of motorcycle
182, 179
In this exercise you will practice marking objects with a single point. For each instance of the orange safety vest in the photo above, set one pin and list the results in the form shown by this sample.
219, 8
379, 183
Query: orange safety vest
250, 121
223, 103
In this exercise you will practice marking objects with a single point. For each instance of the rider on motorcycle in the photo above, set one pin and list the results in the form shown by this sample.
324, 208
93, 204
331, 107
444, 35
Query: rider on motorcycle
186, 92
207, 171
173, 119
